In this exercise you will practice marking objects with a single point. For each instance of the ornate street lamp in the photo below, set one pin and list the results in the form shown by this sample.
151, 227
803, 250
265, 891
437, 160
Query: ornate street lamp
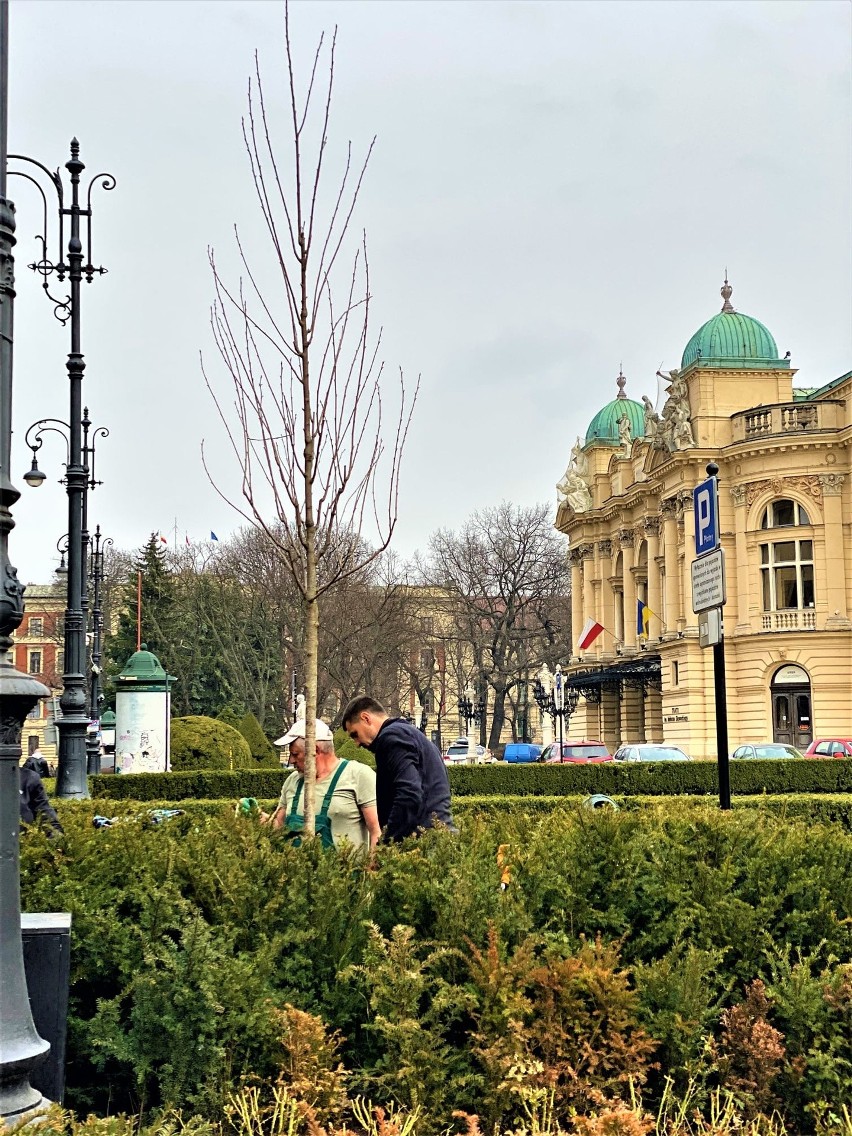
74, 763
471, 710
21, 1048
554, 699
99, 547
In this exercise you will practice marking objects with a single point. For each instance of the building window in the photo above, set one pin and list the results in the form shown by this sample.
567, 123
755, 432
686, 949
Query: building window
784, 514
36, 711
34, 662
426, 625
787, 571
675, 673
59, 665
36, 625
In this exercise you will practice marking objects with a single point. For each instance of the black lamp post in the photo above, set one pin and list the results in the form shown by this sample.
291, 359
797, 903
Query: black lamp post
471, 708
74, 761
554, 699
21, 1048
99, 547
73, 722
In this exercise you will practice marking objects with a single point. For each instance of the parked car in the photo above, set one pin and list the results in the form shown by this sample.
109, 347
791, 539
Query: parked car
521, 752
646, 752
830, 747
766, 749
577, 753
458, 754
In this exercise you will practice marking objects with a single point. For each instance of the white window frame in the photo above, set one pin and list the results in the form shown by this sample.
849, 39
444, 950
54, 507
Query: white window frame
770, 567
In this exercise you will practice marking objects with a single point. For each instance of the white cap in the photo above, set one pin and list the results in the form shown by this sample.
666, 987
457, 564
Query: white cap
297, 730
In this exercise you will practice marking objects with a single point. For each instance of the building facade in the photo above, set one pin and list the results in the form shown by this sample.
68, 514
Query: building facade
785, 503
38, 650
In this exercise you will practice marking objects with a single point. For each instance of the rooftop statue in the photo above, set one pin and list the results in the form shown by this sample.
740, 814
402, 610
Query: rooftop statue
573, 489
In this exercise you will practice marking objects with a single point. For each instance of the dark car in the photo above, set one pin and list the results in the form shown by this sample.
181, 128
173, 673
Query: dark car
645, 752
766, 749
575, 753
830, 747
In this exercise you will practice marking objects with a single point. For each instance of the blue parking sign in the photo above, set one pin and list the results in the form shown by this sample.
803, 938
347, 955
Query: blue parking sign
705, 505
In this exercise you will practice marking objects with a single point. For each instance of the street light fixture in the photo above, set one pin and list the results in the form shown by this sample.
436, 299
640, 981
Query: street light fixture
471, 709
69, 774
99, 547
555, 699
73, 722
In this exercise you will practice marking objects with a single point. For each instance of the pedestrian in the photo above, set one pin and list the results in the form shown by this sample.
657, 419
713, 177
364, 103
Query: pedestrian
36, 759
412, 786
344, 797
34, 802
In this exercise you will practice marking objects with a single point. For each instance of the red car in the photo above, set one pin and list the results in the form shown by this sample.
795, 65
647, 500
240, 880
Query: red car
575, 753
830, 747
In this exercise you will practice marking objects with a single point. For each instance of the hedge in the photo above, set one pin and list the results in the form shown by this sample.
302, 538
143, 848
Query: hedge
697, 778
829, 808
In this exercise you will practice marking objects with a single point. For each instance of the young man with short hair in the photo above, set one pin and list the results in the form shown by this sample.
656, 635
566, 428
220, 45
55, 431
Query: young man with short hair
412, 786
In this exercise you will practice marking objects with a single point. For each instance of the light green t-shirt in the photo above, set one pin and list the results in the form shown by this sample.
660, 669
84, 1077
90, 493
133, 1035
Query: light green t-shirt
355, 790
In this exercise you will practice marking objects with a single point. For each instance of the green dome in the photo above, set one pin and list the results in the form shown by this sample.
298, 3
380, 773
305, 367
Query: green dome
604, 426
732, 339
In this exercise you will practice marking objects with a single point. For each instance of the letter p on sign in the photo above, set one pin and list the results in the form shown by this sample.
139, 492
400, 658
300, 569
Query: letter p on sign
705, 507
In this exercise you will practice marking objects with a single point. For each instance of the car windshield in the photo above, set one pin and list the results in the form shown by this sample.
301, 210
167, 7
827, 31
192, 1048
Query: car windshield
660, 753
775, 751
581, 750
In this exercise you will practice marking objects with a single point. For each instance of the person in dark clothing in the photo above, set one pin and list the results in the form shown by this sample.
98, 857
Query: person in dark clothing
412, 786
36, 761
34, 802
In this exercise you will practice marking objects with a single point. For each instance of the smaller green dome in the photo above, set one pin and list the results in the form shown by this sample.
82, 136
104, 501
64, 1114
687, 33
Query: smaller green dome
731, 339
603, 428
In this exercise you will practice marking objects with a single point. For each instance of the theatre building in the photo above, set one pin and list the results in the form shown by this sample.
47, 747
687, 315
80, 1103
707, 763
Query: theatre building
785, 502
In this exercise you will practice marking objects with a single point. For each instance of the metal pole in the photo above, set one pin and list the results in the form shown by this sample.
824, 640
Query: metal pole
93, 749
21, 1048
722, 723
71, 778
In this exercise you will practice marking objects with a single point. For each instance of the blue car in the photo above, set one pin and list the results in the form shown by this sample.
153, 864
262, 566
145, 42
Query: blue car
521, 752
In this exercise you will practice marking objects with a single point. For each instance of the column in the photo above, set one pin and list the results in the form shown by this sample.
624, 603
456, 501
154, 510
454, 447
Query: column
671, 582
738, 496
654, 716
835, 554
586, 552
652, 535
625, 538
690, 621
632, 714
577, 617
607, 613
610, 719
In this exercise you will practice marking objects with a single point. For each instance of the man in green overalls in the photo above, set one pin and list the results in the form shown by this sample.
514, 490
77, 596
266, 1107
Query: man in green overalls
345, 795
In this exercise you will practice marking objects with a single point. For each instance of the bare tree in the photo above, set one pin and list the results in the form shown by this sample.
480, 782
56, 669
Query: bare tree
507, 582
306, 425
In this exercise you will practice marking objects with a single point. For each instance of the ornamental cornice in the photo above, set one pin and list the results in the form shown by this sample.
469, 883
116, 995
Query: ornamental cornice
651, 526
832, 483
809, 484
625, 538
605, 547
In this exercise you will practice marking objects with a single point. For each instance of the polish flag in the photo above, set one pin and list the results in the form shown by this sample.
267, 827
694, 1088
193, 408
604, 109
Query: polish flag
589, 634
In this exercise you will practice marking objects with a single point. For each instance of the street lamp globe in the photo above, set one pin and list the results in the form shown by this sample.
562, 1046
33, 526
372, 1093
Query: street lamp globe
34, 477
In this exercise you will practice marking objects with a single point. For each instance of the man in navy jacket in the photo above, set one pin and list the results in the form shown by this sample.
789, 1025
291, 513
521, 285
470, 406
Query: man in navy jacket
412, 786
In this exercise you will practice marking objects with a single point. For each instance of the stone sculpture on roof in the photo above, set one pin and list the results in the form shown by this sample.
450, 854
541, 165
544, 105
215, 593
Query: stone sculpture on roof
573, 489
672, 431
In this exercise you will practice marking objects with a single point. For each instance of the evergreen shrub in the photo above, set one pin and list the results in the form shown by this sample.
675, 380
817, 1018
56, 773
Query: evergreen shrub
574, 954
205, 743
262, 749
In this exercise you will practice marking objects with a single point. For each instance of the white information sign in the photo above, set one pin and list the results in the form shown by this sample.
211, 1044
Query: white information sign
142, 723
708, 581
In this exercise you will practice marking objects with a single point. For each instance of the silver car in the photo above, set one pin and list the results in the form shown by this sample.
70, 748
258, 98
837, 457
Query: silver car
647, 752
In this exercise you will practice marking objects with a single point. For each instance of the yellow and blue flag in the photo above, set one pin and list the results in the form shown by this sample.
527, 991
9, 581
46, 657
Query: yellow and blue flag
643, 618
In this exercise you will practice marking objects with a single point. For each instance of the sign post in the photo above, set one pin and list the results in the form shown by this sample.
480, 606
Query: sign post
708, 599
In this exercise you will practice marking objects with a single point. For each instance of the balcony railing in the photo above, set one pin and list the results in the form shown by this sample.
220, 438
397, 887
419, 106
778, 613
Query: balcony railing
785, 418
789, 621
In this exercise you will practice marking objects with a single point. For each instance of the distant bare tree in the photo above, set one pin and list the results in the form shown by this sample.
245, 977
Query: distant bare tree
507, 582
304, 418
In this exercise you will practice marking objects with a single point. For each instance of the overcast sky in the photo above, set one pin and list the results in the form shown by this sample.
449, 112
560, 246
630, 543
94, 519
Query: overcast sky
557, 188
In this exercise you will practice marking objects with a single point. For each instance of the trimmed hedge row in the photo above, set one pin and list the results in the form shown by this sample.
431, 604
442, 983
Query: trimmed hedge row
696, 778
834, 808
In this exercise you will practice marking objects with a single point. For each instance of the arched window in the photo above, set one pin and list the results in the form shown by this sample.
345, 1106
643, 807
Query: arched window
784, 514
